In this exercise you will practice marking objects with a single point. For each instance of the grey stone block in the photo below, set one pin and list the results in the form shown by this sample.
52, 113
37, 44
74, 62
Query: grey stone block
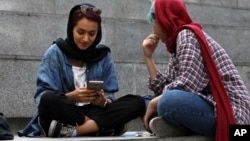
219, 16
28, 6
244, 4
125, 40
25, 34
233, 40
217, 3
117, 9
18, 79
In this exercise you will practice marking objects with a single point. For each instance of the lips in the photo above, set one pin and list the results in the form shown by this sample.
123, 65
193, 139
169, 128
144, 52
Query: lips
83, 46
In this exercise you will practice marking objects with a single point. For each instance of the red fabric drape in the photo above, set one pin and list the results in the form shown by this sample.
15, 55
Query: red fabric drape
172, 17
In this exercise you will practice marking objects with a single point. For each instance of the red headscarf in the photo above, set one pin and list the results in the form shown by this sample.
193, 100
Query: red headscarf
172, 17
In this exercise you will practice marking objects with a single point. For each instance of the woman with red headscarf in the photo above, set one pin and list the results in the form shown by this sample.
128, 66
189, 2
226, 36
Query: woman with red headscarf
201, 90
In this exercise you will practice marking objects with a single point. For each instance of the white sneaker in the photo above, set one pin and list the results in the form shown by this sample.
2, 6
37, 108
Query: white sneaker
163, 129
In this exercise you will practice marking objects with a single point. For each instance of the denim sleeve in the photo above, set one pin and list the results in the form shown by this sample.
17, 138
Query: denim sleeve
48, 77
109, 75
110, 96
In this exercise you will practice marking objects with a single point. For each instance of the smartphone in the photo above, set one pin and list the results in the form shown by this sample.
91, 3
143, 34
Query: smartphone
96, 85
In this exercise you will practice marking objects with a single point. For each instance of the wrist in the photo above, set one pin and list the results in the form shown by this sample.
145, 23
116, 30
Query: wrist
69, 95
148, 58
105, 103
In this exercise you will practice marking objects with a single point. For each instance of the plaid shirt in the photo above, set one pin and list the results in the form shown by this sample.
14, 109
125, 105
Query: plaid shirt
186, 71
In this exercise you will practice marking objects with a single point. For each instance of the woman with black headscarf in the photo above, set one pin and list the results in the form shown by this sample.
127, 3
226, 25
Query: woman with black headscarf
66, 107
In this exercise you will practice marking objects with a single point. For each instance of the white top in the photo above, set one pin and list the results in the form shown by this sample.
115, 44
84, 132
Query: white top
80, 80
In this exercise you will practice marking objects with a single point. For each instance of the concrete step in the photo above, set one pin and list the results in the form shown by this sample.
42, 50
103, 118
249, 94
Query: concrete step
17, 124
135, 132
128, 136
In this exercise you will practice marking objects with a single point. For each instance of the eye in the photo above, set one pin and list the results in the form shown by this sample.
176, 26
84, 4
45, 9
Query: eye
92, 33
80, 32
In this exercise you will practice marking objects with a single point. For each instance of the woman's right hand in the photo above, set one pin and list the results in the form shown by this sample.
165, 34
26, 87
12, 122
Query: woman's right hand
149, 45
82, 95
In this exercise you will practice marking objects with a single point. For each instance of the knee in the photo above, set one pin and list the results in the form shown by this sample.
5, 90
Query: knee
135, 99
169, 100
46, 96
137, 104
139, 101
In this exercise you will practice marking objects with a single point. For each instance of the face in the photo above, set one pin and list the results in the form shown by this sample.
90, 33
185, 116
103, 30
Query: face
85, 33
158, 31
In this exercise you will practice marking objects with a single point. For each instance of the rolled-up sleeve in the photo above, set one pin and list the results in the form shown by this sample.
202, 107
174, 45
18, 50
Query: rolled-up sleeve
157, 84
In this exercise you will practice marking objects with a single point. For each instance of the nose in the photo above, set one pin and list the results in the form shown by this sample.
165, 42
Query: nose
85, 38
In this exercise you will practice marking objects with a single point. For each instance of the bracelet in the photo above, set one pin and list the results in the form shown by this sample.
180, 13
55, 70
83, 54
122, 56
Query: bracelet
105, 104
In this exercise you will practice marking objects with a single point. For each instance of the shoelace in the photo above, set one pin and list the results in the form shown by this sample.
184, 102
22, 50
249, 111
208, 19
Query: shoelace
67, 130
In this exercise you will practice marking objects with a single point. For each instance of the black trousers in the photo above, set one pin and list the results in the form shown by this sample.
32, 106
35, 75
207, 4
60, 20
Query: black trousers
56, 106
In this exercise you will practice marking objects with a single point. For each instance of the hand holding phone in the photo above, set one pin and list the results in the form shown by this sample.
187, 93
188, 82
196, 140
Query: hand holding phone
95, 85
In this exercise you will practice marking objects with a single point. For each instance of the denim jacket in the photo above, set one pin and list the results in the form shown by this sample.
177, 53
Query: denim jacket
55, 73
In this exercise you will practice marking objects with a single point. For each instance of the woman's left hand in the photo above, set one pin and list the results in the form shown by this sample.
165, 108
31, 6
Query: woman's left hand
150, 113
100, 99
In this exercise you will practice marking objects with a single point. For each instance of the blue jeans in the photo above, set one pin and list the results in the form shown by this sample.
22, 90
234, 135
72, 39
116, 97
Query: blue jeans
188, 110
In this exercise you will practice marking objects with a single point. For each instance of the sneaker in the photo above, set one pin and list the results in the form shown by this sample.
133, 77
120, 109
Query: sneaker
161, 129
58, 129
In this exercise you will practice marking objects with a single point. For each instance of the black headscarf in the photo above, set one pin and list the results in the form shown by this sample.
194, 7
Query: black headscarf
93, 54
